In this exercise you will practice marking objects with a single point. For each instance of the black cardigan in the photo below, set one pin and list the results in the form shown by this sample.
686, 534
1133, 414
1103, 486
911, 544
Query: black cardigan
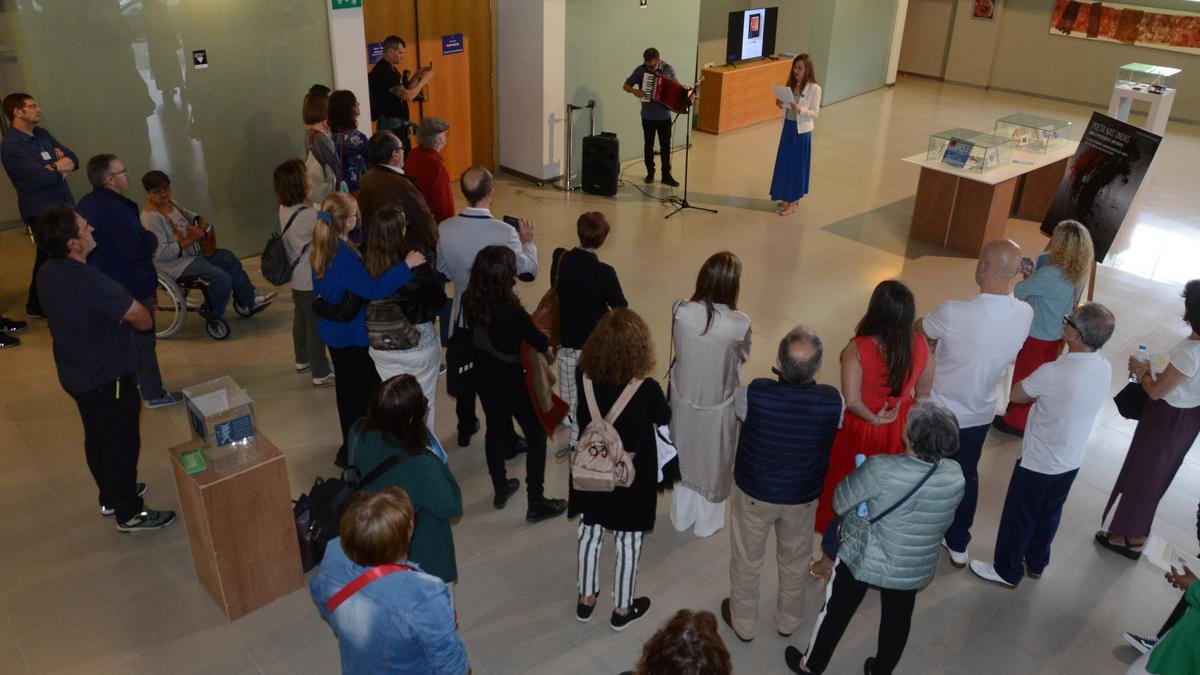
587, 288
630, 509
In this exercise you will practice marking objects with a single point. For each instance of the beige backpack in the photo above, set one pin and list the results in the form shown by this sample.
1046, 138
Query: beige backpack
599, 462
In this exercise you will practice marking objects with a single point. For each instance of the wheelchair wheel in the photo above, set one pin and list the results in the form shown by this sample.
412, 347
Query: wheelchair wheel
243, 311
170, 311
217, 329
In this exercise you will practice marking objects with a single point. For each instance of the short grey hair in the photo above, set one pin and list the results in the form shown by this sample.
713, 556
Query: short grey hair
932, 431
1095, 324
792, 369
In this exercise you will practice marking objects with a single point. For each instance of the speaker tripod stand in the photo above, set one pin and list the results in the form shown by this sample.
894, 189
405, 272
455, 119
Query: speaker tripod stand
682, 203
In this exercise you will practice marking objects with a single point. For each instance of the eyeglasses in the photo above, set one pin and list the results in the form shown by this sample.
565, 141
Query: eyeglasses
122, 172
1068, 322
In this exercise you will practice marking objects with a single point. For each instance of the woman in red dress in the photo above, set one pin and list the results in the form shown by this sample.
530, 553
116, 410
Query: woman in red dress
884, 369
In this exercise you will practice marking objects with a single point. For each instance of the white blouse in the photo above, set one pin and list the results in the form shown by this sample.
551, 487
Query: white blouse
810, 108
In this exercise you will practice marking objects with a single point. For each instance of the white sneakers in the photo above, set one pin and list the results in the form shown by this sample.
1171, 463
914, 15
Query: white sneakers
988, 573
957, 559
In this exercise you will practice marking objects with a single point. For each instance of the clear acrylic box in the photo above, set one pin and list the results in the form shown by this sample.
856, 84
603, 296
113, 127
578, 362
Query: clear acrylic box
969, 150
221, 414
1148, 78
1033, 133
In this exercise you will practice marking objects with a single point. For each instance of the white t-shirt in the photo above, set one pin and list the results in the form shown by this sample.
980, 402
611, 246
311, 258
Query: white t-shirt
978, 339
1069, 393
1185, 356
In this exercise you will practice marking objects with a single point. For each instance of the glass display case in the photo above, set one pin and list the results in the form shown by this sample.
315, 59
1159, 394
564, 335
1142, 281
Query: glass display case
1145, 77
1033, 133
969, 150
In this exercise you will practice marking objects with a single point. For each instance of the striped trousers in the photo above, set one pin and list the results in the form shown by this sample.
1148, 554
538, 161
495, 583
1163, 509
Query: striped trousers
629, 550
568, 360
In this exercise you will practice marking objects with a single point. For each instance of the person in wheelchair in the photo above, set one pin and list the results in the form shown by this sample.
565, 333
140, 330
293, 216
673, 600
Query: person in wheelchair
187, 249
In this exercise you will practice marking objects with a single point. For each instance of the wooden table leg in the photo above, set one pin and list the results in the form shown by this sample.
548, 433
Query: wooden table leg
980, 214
1039, 189
933, 207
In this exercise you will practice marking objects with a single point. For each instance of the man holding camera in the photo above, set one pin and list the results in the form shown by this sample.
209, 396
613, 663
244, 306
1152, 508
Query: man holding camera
391, 92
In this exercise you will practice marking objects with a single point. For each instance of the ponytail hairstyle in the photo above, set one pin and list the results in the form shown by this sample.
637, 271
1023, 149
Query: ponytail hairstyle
336, 212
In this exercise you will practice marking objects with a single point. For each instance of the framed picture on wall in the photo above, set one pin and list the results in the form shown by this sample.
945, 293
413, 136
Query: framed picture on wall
984, 10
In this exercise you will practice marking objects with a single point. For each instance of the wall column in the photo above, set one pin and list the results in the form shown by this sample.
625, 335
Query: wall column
347, 50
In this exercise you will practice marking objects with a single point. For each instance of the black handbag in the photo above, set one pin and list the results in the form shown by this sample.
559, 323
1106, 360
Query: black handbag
1131, 401
318, 513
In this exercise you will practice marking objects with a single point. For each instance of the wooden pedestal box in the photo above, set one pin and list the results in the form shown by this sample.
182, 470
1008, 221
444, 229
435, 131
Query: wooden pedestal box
240, 529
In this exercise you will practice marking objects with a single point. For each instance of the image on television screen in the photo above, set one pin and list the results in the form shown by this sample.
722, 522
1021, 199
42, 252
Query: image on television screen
751, 34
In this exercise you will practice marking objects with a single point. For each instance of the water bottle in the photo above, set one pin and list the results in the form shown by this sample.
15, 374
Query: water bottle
858, 461
1141, 357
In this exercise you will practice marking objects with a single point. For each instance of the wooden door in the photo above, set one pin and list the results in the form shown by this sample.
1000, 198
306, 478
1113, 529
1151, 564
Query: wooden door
461, 89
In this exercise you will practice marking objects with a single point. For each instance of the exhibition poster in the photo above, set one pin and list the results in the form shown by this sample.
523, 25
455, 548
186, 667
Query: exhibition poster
1102, 179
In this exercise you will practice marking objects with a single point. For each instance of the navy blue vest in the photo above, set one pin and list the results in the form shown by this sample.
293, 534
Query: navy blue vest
783, 449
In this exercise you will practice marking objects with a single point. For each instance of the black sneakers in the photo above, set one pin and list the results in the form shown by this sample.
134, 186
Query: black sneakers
649, 177
1140, 643
7, 340
510, 489
544, 509
11, 326
108, 510
147, 520
636, 611
583, 612
667, 179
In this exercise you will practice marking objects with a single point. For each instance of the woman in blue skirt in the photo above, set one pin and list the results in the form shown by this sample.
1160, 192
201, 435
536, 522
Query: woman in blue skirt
790, 181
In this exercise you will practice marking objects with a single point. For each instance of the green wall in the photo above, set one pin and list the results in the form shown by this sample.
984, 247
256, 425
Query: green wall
851, 42
604, 43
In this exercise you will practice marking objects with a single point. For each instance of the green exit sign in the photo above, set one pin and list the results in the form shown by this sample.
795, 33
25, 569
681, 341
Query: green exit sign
346, 4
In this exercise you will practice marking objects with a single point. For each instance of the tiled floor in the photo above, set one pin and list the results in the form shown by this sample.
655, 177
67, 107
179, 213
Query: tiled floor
77, 596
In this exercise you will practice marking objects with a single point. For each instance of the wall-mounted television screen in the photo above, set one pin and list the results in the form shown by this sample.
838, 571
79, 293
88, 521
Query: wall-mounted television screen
751, 34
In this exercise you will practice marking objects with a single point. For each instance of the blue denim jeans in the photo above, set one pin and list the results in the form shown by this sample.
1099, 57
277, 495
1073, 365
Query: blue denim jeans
225, 276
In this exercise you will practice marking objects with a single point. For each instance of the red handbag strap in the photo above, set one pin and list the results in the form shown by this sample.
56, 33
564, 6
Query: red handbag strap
362, 580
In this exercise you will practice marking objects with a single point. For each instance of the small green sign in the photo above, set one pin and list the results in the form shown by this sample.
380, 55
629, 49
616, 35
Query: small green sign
346, 4
193, 462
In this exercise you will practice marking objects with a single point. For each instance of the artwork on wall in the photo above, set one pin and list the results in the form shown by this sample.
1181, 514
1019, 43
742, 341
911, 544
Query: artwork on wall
984, 10
1127, 24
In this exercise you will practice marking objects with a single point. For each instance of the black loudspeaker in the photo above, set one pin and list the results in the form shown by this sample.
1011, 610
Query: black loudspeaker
601, 165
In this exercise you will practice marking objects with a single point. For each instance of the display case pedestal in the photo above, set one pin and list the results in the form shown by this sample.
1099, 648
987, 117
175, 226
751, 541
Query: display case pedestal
963, 210
240, 529
1160, 106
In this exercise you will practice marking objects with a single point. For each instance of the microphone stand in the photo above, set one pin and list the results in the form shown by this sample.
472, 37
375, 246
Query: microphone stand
682, 203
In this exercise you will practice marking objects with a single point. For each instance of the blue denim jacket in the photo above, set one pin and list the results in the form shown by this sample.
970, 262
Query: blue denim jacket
400, 623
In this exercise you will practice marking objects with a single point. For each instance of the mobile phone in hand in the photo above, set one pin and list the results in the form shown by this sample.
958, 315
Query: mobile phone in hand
512, 220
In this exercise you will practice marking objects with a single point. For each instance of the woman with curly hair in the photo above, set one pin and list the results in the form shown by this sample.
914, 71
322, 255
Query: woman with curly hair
616, 358
1053, 291
687, 644
499, 325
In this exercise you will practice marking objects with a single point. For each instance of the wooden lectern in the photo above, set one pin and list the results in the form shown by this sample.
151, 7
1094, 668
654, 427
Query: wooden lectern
240, 529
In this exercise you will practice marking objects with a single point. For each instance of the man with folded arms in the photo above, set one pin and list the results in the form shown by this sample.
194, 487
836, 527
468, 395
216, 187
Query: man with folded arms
1066, 395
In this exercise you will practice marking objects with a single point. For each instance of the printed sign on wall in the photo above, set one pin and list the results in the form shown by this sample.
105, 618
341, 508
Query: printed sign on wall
452, 44
374, 52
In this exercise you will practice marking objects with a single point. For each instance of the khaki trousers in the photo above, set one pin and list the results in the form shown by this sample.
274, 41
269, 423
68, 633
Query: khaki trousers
750, 524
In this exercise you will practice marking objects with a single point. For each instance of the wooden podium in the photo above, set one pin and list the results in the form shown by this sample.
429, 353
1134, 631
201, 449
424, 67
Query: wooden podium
736, 97
240, 529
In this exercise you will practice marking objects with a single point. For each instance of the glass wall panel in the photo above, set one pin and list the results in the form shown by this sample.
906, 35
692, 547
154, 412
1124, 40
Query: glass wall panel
118, 76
